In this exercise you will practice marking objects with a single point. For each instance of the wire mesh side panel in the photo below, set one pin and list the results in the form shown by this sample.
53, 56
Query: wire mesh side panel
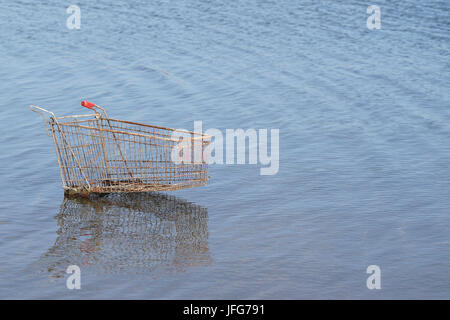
81, 153
107, 155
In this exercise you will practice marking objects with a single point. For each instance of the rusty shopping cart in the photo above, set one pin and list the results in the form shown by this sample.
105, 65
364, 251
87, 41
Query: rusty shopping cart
102, 155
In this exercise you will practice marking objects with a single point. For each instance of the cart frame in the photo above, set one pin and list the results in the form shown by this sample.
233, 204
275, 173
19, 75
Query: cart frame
99, 154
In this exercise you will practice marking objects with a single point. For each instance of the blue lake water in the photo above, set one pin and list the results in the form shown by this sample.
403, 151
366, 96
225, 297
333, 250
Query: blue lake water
364, 176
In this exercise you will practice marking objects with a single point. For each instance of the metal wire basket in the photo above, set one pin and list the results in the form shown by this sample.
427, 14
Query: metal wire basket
102, 155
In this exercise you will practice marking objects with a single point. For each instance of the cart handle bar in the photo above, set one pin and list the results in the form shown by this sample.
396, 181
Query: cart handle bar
87, 104
91, 105
41, 112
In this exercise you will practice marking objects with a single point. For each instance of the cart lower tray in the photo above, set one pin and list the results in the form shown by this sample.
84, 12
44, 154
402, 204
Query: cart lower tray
130, 187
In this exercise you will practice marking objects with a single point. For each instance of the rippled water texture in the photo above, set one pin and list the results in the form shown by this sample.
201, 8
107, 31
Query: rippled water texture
364, 173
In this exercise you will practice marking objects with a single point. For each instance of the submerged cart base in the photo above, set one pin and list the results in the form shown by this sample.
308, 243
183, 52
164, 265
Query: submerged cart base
97, 154
129, 188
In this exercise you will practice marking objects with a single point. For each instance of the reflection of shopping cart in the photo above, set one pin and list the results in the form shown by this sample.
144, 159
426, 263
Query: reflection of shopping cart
99, 154
137, 233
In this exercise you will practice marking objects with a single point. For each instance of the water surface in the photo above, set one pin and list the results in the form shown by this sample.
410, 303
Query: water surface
364, 149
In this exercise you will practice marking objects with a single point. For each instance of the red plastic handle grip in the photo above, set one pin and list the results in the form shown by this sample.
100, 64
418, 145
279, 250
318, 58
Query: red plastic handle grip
87, 104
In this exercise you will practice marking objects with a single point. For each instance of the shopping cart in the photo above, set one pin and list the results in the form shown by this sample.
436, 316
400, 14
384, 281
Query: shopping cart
102, 155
